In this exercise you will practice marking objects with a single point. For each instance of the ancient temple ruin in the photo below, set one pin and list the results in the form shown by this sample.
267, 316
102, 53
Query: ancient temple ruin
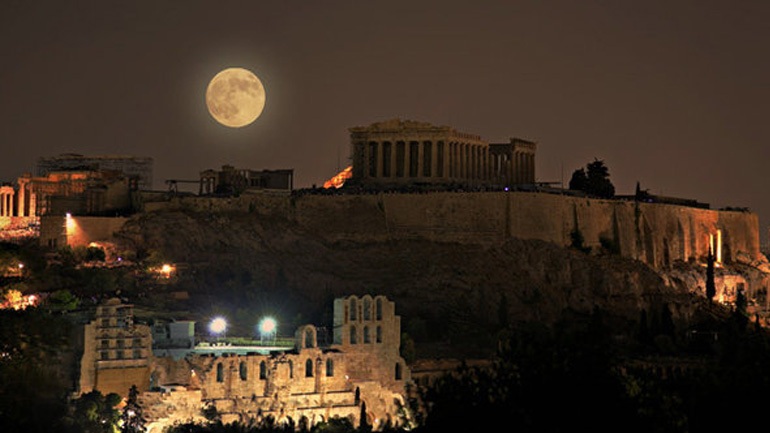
401, 152
360, 374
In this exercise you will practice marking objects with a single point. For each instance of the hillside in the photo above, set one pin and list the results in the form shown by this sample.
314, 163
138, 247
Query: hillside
454, 295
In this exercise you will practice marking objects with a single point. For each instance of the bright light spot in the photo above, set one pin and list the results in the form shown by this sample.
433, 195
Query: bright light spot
69, 215
268, 325
339, 179
218, 325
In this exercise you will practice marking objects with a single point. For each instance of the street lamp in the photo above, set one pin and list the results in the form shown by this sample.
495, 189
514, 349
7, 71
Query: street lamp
267, 328
218, 326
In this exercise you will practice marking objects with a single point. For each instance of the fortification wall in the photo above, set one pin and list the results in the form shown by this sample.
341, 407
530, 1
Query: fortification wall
658, 234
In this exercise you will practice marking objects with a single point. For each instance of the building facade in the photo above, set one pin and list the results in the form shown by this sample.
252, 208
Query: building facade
402, 152
137, 167
116, 351
232, 181
360, 374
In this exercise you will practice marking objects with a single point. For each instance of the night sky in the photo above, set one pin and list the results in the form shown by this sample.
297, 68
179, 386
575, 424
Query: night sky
673, 94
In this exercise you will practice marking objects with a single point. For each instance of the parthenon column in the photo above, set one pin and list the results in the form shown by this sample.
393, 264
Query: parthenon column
420, 158
6, 199
378, 169
433, 158
20, 212
393, 159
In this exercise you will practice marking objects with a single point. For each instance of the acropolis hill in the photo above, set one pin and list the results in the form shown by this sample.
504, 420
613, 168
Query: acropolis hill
436, 253
436, 220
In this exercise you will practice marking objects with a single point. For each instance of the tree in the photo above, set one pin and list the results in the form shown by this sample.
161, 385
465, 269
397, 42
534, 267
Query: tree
62, 300
579, 180
133, 421
593, 180
33, 378
598, 180
95, 254
711, 290
96, 413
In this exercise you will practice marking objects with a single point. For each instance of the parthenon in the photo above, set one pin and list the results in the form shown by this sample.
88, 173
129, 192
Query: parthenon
403, 151
7, 194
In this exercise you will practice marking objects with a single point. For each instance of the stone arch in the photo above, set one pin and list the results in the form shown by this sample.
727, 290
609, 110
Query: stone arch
243, 371
304, 423
353, 302
367, 307
220, 372
378, 308
309, 368
307, 337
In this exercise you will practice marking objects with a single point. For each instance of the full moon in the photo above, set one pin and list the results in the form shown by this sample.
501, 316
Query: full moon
235, 97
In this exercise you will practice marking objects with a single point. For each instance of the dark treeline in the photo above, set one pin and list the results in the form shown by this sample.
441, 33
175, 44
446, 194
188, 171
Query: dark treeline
576, 375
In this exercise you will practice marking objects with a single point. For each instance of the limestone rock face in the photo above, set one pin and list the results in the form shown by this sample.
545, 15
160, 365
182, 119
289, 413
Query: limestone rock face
445, 286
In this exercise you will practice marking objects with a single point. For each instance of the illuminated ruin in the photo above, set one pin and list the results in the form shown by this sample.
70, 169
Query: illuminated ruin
400, 152
359, 373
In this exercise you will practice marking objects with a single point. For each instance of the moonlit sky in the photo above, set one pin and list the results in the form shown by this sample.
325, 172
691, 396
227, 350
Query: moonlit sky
673, 94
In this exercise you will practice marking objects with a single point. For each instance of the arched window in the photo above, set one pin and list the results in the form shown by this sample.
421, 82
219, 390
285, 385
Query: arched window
243, 371
398, 371
353, 335
367, 309
329, 367
220, 372
262, 370
309, 339
378, 309
291, 369
367, 338
353, 309
309, 368
379, 334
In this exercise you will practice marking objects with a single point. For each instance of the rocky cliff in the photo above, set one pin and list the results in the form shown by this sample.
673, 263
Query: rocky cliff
447, 292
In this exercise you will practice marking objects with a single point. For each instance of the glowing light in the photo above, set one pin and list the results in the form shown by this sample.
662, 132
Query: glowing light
268, 325
267, 328
218, 325
339, 179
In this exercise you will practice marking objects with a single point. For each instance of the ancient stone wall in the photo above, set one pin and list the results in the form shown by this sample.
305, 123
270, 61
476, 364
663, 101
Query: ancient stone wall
362, 373
657, 234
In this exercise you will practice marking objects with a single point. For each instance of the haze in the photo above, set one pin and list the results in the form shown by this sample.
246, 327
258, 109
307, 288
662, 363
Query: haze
673, 95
